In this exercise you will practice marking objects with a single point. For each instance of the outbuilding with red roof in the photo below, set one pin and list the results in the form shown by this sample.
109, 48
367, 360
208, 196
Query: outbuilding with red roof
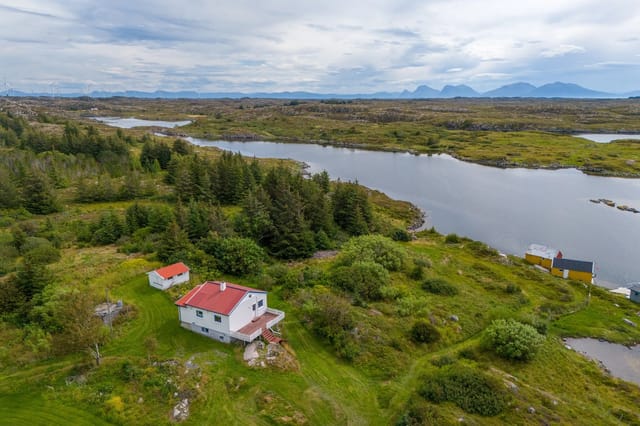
227, 312
168, 276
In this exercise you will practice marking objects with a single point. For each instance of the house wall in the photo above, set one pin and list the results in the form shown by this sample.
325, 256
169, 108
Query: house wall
155, 280
586, 277
538, 260
244, 313
216, 330
634, 296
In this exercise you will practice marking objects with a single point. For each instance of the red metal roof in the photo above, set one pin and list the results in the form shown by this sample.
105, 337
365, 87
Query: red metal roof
172, 270
207, 296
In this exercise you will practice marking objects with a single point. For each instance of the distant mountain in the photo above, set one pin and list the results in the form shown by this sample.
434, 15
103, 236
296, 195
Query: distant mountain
567, 90
515, 90
522, 89
425, 91
461, 90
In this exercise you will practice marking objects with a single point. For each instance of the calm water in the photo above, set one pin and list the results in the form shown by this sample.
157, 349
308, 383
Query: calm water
606, 137
506, 208
620, 360
128, 123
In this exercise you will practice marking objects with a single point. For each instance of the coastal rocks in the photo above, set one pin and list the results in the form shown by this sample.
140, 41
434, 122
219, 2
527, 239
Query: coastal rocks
611, 203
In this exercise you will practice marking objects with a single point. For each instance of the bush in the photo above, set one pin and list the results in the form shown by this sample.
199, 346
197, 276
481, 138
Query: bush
513, 340
481, 249
373, 248
416, 273
452, 239
364, 279
419, 413
512, 289
471, 390
400, 234
424, 332
240, 256
439, 286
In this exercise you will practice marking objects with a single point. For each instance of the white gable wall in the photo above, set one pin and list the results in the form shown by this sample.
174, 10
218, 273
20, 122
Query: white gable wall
216, 330
155, 280
244, 313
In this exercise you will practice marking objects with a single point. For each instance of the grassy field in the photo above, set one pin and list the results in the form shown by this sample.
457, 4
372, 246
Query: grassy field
561, 385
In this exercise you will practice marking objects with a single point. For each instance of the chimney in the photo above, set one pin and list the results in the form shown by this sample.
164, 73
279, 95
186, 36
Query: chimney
223, 286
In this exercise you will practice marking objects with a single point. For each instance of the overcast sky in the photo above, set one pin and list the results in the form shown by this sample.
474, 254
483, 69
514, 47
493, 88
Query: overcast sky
337, 46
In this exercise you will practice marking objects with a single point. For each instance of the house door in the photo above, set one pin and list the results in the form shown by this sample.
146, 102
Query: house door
565, 273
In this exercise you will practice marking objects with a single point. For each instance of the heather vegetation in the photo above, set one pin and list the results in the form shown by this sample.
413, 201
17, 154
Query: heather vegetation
531, 133
397, 327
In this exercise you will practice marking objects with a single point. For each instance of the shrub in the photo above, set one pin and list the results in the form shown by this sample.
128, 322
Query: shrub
331, 317
452, 239
439, 286
364, 279
512, 288
400, 234
481, 249
471, 390
373, 248
513, 340
419, 413
424, 332
416, 273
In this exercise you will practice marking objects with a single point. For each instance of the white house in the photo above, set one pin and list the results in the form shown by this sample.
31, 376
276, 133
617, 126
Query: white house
168, 276
228, 312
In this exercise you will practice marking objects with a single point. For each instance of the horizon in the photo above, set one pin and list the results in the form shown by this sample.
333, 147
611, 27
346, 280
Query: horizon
357, 48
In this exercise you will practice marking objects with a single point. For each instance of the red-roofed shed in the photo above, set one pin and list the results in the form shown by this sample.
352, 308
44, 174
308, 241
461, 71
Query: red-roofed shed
168, 276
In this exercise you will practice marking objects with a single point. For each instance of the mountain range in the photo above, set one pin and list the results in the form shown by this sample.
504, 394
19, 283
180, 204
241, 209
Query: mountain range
515, 90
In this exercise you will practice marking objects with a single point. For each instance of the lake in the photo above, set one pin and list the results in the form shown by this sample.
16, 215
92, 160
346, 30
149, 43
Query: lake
606, 137
621, 361
129, 123
505, 208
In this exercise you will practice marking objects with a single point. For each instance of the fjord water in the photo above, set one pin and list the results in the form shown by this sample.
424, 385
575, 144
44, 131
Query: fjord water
607, 137
505, 208
622, 361
129, 123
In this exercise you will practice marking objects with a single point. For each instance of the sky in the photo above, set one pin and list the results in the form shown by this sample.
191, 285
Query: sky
328, 46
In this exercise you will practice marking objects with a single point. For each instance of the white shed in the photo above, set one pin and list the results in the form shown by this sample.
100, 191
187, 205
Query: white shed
169, 276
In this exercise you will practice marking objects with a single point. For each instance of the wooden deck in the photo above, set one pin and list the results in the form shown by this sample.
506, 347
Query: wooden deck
257, 324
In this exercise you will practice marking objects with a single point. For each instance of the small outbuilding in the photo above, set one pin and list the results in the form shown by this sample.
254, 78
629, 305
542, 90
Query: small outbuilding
538, 254
634, 293
169, 276
580, 270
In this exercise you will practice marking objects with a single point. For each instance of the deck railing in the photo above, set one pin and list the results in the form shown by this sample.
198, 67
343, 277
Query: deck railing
279, 317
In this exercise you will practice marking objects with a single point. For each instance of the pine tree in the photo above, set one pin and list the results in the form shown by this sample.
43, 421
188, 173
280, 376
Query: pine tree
38, 195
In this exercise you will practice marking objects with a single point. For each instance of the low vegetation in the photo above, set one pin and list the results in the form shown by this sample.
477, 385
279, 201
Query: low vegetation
395, 328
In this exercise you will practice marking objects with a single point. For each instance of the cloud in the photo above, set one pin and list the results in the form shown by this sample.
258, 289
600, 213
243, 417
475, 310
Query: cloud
333, 45
562, 50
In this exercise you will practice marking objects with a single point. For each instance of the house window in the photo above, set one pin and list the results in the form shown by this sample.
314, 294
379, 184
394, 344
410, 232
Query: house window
253, 306
199, 314
204, 329
260, 303
217, 318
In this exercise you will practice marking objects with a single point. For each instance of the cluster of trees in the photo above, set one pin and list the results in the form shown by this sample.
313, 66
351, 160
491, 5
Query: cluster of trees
100, 167
287, 214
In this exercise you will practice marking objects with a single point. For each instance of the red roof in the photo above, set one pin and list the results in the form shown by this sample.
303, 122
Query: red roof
208, 296
172, 270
